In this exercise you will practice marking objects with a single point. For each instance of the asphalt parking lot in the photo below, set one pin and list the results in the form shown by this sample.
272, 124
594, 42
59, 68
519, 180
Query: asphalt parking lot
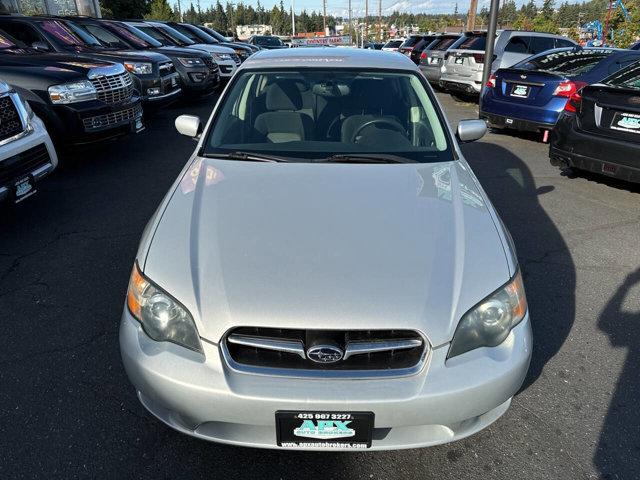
67, 409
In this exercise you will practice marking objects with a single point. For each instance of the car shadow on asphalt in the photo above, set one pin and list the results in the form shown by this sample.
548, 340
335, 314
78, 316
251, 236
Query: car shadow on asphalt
618, 451
547, 266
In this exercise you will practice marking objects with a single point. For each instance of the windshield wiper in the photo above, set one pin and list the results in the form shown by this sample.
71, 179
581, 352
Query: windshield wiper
367, 158
247, 157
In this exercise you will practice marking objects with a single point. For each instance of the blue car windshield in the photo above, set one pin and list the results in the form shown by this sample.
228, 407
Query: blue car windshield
317, 112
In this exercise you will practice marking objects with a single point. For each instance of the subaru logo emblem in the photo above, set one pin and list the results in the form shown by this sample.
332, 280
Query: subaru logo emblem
325, 354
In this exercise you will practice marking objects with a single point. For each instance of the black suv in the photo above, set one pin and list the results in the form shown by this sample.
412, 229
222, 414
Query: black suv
415, 44
198, 35
199, 73
79, 99
154, 74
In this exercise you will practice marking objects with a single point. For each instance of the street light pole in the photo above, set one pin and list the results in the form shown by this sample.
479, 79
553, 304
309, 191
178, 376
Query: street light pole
488, 51
293, 18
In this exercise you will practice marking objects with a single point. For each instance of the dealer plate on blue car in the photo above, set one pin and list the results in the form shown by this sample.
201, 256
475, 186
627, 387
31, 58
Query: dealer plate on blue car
324, 429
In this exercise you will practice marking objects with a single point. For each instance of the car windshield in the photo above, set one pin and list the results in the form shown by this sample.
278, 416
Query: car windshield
213, 33
474, 42
133, 35
568, 63
6, 43
443, 43
626, 78
269, 41
176, 36
195, 34
154, 34
66, 36
315, 113
105, 37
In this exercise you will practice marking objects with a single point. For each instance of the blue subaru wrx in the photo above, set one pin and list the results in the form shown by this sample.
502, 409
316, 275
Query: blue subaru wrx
531, 95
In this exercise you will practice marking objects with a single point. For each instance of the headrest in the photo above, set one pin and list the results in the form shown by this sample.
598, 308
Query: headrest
284, 95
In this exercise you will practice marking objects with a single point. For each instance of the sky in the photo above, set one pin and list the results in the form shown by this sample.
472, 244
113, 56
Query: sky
341, 7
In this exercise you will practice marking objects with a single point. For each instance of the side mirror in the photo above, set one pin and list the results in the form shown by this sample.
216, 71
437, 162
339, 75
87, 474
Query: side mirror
471, 130
189, 125
40, 46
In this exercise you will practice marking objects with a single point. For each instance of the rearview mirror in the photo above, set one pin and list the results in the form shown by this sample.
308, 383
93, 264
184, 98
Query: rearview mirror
189, 125
40, 46
471, 130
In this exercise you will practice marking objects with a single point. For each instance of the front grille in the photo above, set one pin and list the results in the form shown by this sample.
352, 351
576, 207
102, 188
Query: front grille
381, 351
166, 68
114, 88
211, 65
236, 58
22, 164
10, 122
100, 122
226, 68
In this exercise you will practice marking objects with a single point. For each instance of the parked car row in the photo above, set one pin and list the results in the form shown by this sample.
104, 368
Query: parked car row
77, 80
586, 101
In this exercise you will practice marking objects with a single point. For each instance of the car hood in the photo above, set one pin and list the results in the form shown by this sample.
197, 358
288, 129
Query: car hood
130, 55
55, 66
212, 48
327, 246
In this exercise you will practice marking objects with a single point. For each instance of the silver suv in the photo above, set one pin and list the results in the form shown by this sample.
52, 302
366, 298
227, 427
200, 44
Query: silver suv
462, 71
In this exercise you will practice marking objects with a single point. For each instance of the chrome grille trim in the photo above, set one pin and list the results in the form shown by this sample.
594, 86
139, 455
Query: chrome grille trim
287, 346
367, 353
362, 348
13, 124
114, 88
100, 122
166, 68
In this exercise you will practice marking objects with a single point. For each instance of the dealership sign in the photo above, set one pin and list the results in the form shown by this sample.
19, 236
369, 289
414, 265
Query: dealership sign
334, 40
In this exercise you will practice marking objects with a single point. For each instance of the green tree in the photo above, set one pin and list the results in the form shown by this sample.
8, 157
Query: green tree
160, 10
124, 8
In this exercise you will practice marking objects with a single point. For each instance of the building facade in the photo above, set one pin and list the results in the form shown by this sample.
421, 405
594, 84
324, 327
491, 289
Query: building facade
51, 7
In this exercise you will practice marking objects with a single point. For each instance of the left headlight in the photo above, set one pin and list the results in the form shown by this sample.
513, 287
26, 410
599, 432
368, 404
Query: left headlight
139, 68
73, 92
191, 62
489, 323
162, 317
222, 56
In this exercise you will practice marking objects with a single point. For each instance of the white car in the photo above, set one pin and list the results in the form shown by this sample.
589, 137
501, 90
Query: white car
225, 57
26, 152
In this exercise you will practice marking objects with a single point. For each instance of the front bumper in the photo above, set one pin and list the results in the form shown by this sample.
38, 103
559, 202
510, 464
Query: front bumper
202, 397
11, 151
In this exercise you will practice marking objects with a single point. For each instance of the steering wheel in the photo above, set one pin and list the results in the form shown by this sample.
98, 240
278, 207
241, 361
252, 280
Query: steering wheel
395, 125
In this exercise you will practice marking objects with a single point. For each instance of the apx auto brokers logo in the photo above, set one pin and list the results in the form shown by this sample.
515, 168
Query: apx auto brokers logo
325, 429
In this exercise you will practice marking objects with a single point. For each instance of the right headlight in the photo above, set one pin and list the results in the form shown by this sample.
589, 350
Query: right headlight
73, 92
191, 62
162, 317
488, 323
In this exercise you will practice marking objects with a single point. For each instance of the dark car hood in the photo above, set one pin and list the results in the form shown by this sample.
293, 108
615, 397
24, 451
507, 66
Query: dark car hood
185, 52
126, 55
235, 45
58, 66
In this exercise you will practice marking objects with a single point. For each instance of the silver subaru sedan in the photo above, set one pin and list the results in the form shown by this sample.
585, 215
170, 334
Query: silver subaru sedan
326, 273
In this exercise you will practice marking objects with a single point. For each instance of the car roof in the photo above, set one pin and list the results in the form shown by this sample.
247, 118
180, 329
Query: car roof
329, 57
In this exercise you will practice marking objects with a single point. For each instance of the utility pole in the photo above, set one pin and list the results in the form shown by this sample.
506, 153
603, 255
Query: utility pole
366, 25
179, 11
293, 18
324, 15
471, 16
351, 24
379, 35
491, 39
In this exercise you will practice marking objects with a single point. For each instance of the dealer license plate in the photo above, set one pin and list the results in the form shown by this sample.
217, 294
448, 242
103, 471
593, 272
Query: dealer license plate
626, 122
434, 61
24, 188
521, 91
324, 429
459, 60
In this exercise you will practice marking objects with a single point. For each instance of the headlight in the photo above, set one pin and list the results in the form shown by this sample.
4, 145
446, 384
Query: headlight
72, 92
488, 324
139, 68
162, 317
191, 62
222, 56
